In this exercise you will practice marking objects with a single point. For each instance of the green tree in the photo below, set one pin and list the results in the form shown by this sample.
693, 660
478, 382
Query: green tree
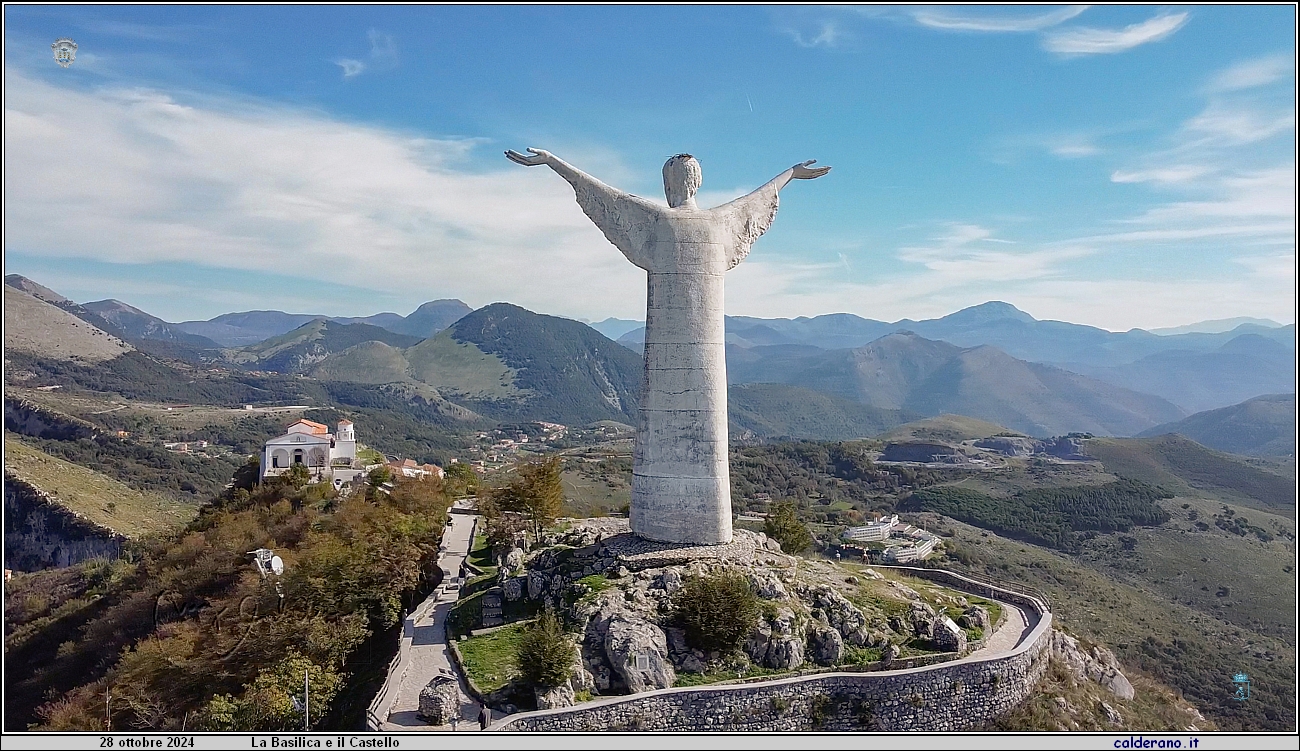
545, 655
717, 611
537, 493
268, 703
461, 478
783, 525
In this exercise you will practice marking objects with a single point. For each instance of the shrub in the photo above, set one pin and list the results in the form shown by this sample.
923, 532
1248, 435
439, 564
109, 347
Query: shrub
783, 525
545, 655
717, 611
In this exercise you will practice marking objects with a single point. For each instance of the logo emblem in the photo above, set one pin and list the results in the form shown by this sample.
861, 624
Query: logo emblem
1242, 682
65, 51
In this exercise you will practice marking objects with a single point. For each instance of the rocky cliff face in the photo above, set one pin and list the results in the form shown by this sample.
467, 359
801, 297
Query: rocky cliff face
40, 533
26, 418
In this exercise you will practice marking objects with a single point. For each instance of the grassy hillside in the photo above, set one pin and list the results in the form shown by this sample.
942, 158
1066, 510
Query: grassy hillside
101, 499
1192, 650
300, 349
573, 374
39, 328
368, 362
769, 410
1188, 468
461, 369
1263, 426
948, 428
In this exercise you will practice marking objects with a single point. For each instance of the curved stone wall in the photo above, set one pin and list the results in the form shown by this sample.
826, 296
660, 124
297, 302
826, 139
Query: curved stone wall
944, 697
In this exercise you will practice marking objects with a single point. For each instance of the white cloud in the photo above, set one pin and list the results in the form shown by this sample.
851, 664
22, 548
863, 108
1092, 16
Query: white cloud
1087, 41
138, 177
383, 48
827, 35
1075, 150
1172, 174
943, 19
1250, 74
1240, 125
350, 67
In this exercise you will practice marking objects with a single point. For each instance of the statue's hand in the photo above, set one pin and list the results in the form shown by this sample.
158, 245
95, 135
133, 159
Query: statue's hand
540, 157
802, 172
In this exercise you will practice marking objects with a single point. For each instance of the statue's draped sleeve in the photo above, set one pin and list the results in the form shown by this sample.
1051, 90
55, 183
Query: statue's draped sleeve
746, 219
626, 220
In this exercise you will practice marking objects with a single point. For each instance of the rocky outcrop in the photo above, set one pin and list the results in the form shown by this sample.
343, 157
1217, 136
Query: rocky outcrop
948, 637
625, 653
825, 645
1097, 664
976, 616
41, 533
555, 698
26, 418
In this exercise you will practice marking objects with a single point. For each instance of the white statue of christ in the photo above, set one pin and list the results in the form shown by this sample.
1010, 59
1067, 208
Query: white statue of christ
681, 489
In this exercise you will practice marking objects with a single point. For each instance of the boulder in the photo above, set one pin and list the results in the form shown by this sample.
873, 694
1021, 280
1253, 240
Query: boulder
536, 584
767, 586
889, 653
1097, 664
513, 589
785, 652
948, 637
515, 559
772, 545
784, 622
637, 651
683, 657
976, 616
825, 646
440, 700
555, 698
669, 581
757, 643
1112, 715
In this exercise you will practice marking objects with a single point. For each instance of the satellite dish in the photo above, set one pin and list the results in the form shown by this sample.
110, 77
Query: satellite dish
277, 565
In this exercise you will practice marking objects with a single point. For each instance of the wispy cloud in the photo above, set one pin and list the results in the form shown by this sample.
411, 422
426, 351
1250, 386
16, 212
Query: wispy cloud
939, 18
1250, 74
1239, 124
1172, 174
350, 67
383, 55
828, 35
1088, 41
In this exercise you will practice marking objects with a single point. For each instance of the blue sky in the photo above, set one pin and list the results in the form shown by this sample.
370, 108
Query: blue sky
1121, 166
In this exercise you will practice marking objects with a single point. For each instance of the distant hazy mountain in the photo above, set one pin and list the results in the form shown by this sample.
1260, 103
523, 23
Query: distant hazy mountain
1243, 367
908, 372
613, 328
140, 325
251, 327
1217, 326
995, 323
314, 341
1263, 426
777, 410
427, 320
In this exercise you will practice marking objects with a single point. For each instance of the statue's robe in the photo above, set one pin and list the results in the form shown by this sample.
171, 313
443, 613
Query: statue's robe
681, 488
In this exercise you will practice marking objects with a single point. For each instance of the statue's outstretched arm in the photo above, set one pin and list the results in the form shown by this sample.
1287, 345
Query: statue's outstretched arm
801, 171
749, 216
626, 220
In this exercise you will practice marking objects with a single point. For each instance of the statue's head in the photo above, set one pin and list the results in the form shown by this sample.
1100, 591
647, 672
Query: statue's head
682, 177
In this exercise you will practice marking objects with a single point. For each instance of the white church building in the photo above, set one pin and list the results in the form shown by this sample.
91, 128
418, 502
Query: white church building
325, 454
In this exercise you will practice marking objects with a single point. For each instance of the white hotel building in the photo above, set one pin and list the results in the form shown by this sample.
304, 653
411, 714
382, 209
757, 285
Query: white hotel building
877, 531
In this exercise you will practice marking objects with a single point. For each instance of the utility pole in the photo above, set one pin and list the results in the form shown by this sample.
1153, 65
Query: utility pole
306, 699
108, 717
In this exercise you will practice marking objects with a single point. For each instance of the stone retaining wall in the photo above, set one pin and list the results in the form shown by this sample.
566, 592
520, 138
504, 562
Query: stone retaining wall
944, 697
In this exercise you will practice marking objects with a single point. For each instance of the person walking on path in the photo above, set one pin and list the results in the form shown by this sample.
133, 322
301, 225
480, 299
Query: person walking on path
484, 717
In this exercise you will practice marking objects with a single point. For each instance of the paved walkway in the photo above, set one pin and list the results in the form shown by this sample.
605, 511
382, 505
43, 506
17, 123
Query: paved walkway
424, 639
1017, 625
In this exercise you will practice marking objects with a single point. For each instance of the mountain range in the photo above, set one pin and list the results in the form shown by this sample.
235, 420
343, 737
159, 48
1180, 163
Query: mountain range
788, 377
